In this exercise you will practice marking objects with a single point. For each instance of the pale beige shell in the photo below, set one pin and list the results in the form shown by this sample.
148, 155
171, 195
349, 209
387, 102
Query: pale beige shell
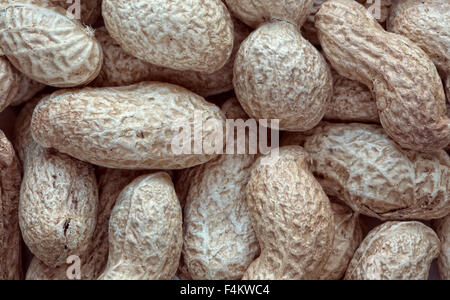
395, 251
404, 80
351, 102
361, 166
192, 35
426, 23
90, 10
348, 236
145, 231
93, 261
47, 46
443, 230
58, 198
280, 75
256, 12
120, 68
132, 127
219, 240
10, 240
291, 216
8, 83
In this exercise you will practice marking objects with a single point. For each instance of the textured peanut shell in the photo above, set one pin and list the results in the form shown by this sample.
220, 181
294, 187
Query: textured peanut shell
145, 231
348, 236
219, 240
10, 240
291, 216
361, 166
395, 251
280, 75
192, 35
351, 102
44, 44
93, 262
58, 198
130, 127
28, 88
443, 230
90, 10
256, 12
8, 83
427, 24
403, 79
120, 68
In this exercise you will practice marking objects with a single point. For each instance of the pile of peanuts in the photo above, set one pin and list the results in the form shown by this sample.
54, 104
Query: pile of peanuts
357, 187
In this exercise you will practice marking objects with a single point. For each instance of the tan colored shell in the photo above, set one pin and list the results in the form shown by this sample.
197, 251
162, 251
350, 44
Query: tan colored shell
395, 251
351, 102
361, 166
404, 81
90, 10
219, 240
58, 198
145, 231
8, 83
130, 127
93, 262
291, 216
443, 231
192, 35
28, 88
10, 240
44, 44
348, 236
280, 75
256, 12
119, 68
426, 23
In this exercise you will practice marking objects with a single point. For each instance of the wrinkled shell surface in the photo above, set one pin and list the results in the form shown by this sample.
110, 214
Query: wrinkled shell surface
443, 231
291, 216
404, 80
130, 127
348, 236
395, 251
255, 12
119, 68
8, 83
58, 198
47, 46
426, 23
145, 231
361, 166
184, 35
10, 240
90, 10
280, 75
219, 240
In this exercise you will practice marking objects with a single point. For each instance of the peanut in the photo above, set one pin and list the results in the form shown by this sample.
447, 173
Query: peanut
130, 127
361, 166
10, 245
119, 68
58, 198
145, 231
443, 230
291, 216
403, 79
395, 251
184, 35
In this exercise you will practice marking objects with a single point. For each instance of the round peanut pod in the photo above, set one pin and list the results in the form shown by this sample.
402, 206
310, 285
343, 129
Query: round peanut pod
199, 38
291, 216
443, 231
119, 68
145, 231
9, 86
395, 251
131, 127
280, 75
256, 12
90, 10
10, 237
47, 46
58, 198
361, 166
407, 87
